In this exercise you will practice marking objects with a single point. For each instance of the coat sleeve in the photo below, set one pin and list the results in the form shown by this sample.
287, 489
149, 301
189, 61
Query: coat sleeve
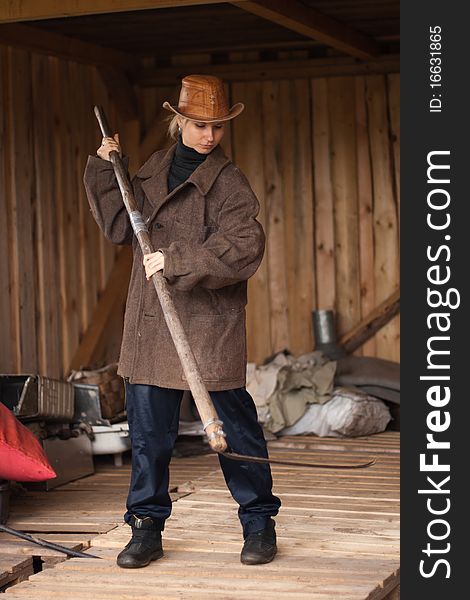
105, 200
228, 256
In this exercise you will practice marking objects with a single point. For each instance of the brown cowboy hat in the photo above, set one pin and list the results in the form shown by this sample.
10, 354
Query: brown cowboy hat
202, 98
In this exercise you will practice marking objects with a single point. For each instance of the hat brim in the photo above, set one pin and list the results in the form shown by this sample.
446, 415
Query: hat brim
232, 113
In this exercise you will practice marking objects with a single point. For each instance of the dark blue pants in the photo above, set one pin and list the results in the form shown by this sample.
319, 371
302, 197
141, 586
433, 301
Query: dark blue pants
153, 415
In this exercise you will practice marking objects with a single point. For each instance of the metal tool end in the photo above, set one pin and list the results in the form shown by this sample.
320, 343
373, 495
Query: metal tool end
215, 435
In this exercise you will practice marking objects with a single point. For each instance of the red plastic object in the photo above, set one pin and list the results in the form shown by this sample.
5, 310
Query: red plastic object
21, 455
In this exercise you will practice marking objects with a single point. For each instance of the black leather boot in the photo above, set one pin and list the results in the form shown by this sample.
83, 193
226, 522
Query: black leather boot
144, 546
260, 546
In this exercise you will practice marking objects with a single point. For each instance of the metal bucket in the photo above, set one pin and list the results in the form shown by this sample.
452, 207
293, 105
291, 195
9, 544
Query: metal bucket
324, 331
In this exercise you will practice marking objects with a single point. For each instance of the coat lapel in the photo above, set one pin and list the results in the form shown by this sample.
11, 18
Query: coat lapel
154, 174
206, 174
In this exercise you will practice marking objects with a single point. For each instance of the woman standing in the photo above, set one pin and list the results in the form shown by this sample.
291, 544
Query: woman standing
201, 215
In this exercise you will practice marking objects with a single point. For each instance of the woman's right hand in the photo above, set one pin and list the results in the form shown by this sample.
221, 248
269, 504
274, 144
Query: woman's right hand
108, 145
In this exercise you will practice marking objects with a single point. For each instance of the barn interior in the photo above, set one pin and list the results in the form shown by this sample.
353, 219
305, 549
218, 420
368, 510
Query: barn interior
319, 143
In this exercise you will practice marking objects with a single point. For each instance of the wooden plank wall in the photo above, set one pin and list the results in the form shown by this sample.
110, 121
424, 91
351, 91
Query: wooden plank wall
53, 259
321, 155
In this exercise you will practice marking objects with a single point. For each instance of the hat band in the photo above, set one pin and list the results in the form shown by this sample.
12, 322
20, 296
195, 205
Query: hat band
230, 114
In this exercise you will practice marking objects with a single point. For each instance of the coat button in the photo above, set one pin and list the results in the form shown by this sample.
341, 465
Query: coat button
158, 226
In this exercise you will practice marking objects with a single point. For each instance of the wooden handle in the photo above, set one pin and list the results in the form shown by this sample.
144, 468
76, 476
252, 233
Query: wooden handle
200, 394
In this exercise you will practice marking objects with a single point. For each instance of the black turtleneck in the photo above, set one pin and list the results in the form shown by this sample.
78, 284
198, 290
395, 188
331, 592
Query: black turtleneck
185, 161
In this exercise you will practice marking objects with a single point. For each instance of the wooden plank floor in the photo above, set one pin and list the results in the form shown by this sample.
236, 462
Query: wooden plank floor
75, 513
337, 531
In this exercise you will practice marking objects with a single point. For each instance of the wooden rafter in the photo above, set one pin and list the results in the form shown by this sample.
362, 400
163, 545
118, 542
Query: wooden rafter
371, 324
47, 42
273, 70
30, 10
313, 24
112, 64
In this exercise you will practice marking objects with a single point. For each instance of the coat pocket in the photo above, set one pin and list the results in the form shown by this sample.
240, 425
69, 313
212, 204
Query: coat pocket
186, 231
194, 232
219, 345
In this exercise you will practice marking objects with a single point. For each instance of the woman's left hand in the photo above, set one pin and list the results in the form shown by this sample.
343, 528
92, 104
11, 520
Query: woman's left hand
153, 262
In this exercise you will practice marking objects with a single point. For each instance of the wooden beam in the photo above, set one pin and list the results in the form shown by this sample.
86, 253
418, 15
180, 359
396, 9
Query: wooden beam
28, 10
112, 296
313, 24
280, 69
47, 42
369, 326
112, 64
394, 594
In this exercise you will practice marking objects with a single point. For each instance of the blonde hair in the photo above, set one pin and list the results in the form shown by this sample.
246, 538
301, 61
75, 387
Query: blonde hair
173, 127
175, 123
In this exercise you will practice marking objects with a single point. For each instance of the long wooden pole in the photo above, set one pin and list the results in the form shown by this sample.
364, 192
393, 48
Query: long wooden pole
211, 423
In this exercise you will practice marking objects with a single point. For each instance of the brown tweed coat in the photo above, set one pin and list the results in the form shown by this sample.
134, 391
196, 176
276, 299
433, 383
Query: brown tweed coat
212, 243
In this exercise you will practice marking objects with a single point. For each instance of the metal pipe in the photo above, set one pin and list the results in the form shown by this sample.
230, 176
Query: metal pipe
45, 544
